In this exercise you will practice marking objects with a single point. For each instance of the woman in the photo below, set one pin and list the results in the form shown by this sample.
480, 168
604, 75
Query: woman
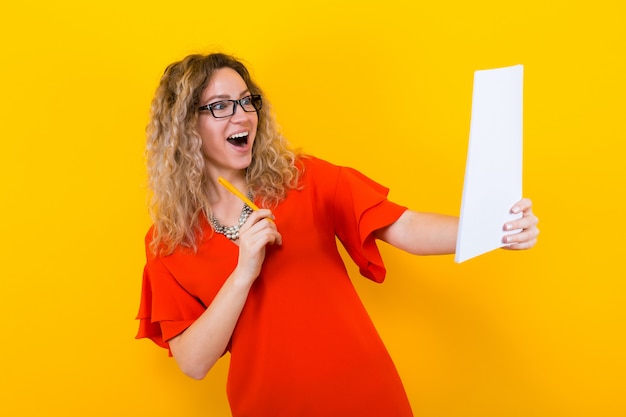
271, 290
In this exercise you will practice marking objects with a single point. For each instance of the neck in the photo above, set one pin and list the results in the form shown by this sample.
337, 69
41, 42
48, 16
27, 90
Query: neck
225, 206
218, 193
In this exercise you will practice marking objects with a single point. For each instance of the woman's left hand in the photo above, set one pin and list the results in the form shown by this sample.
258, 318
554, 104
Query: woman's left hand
526, 238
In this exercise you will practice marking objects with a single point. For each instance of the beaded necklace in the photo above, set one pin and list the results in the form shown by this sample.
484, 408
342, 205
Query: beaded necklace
232, 232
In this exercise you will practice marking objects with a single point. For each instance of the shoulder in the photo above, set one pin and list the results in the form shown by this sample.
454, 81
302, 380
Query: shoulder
309, 162
149, 235
164, 253
319, 170
148, 239
153, 252
314, 169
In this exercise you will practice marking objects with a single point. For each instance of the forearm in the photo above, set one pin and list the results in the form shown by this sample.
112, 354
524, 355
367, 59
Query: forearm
198, 348
436, 234
422, 233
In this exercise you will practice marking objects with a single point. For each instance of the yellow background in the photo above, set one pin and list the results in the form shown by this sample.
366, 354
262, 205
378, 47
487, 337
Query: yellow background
384, 87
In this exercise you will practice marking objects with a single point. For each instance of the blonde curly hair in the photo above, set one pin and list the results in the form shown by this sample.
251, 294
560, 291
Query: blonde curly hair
176, 165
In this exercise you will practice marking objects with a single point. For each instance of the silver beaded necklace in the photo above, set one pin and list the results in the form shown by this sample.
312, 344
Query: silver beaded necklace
232, 232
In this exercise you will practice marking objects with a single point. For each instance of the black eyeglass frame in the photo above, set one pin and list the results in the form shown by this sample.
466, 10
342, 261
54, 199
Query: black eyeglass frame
255, 100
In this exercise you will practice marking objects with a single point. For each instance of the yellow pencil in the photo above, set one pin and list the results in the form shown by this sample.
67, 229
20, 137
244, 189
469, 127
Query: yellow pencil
239, 194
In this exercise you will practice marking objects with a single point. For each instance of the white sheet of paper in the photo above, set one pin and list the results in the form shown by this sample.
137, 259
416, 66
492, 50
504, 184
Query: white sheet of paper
493, 172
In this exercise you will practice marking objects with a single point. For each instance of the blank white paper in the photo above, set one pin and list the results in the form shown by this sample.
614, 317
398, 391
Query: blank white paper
493, 171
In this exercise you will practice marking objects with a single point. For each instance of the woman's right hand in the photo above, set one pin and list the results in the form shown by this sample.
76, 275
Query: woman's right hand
258, 232
198, 348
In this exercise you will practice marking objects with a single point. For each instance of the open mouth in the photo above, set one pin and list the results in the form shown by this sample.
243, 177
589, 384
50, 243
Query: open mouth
238, 139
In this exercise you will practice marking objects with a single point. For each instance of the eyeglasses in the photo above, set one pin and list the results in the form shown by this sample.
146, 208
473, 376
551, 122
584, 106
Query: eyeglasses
226, 108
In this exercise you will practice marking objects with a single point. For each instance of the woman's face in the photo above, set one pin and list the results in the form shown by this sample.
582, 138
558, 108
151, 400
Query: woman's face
226, 142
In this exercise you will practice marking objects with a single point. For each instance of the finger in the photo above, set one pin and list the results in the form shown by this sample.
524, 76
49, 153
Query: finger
525, 222
522, 206
261, 233
277, 238
271, 235
260, 214
522, 240
520, 246
256, 217
528, 221
523, 236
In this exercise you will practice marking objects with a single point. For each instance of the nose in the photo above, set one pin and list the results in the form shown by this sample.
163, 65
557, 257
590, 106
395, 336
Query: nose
238, 112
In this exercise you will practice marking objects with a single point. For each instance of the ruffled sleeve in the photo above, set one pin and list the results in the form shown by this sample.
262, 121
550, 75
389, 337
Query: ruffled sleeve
361, 207
166, 308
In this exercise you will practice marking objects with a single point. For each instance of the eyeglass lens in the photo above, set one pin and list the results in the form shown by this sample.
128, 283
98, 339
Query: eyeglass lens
226, 108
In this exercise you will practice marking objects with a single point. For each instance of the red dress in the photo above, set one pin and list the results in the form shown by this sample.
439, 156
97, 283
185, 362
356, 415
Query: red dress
304, 344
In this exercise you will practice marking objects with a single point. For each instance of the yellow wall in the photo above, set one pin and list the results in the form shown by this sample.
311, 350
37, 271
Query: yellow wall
381, 86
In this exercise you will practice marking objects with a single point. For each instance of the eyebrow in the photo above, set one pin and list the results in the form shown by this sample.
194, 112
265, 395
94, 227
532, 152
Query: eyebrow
227, 97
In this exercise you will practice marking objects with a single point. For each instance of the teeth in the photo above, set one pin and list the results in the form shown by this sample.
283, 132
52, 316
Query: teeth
238, 135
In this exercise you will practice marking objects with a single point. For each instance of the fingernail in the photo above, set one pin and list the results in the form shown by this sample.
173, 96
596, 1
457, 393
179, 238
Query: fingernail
515, 210
508, 226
